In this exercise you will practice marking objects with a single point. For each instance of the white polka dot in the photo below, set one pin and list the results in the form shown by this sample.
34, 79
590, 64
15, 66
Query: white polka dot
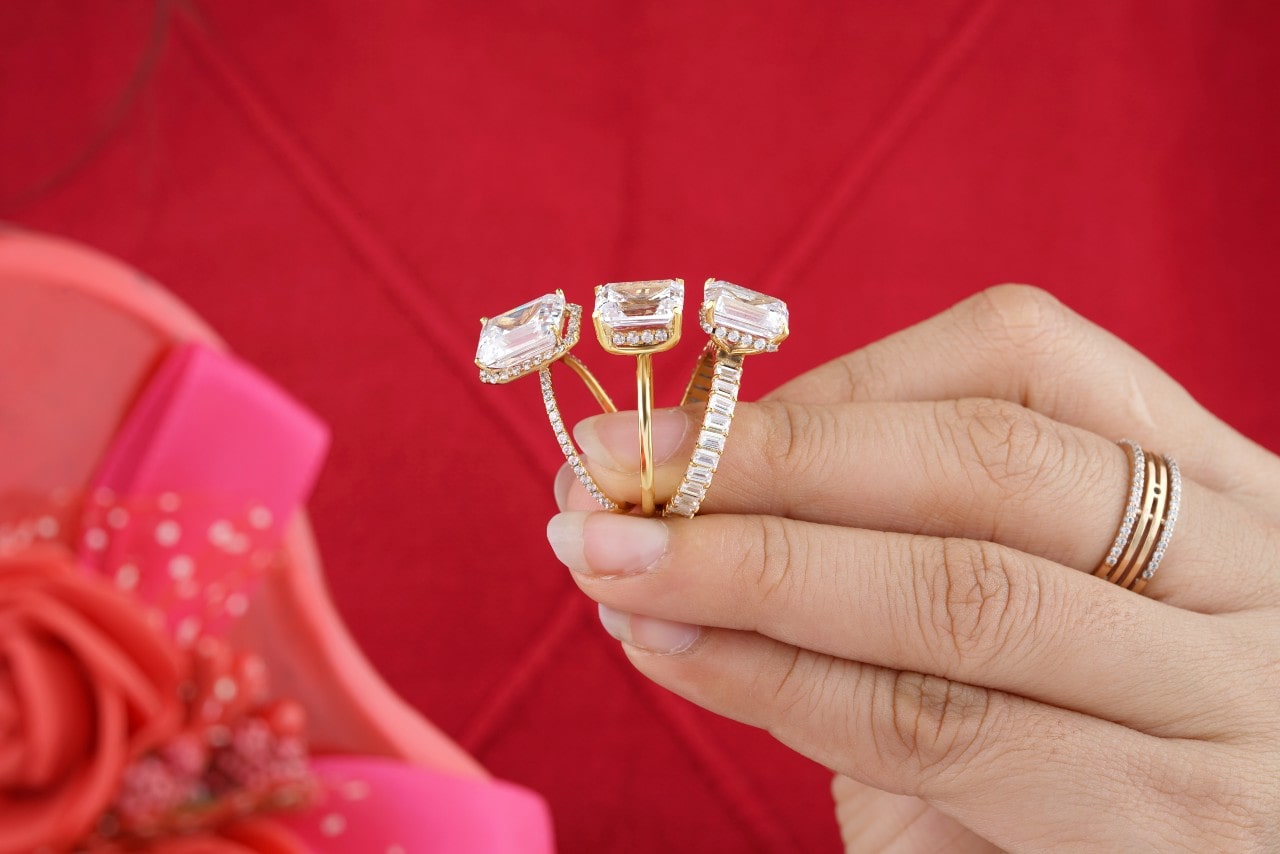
117, 517
181, 567
355, 790
225, 689
238, 545
395, 849
127, 577
96, 539
47, 527
169, 502
168, 532
188, 630
333, 824
260, 518
221, 532
237, 604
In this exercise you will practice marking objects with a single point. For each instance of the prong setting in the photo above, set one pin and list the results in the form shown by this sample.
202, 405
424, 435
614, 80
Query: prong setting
634, 318
742, 321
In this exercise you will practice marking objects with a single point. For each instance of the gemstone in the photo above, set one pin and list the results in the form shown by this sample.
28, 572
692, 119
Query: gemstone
751, 312
529, 334
638, 305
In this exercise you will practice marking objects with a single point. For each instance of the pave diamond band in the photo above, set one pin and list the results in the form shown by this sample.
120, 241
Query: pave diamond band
531, 338
566, 444
1155, 496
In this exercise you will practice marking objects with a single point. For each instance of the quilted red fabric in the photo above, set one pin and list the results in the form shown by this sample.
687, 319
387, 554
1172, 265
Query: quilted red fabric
341, 189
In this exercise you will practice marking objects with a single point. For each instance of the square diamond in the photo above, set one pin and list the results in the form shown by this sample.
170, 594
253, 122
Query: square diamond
653, 305
740, 309
528, 333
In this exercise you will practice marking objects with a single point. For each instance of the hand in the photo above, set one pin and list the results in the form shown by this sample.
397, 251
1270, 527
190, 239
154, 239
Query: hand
893, 577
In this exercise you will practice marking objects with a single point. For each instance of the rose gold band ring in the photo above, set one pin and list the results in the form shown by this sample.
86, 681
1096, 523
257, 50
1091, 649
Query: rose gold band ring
1155, 495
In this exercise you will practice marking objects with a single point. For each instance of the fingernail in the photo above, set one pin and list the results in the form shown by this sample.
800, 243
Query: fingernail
613, 440
649, 633
606, 544
564, 480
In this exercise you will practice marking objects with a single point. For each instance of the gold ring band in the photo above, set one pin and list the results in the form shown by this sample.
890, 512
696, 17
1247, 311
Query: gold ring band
1155, 496
644, 405
640, 319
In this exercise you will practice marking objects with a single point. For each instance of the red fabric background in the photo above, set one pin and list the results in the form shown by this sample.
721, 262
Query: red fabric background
341, 189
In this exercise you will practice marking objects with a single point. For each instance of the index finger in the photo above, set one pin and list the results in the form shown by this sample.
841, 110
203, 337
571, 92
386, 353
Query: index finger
1020, 344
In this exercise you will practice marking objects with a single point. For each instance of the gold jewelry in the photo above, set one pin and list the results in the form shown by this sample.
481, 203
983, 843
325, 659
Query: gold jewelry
1155, 496
640, 319
741, 322
532, 337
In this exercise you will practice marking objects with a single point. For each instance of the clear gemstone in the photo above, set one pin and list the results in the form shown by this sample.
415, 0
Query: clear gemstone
725, 387
716, 421
633, 338
699, 475
706, 458
525, 334
736, 307
721, 404
711, 440
660, 335
646, 337
634, 305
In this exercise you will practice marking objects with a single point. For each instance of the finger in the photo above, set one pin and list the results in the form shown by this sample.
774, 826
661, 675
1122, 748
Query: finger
979, 469
1021, 344
872, 820
967, 611
1075, 780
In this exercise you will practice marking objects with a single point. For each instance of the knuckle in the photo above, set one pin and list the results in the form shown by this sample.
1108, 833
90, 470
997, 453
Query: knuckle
935, 724
776, 567
798, 439
976, 607
866, 375
1022, 318
1001, 443
1215, 803
803, 692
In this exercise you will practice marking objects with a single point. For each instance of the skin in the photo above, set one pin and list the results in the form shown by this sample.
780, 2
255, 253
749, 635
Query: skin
892, 575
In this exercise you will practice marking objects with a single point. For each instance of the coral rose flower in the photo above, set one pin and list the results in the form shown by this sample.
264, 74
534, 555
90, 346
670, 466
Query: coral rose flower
86, 686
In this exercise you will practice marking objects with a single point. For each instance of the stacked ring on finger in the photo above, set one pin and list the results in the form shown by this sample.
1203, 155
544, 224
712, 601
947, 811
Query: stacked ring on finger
531, 338
1155, 496
741, 322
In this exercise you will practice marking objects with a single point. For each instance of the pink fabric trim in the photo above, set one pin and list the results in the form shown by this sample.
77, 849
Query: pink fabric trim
379, 806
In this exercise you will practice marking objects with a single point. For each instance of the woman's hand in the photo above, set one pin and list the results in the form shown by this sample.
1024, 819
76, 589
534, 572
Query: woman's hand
893, 577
